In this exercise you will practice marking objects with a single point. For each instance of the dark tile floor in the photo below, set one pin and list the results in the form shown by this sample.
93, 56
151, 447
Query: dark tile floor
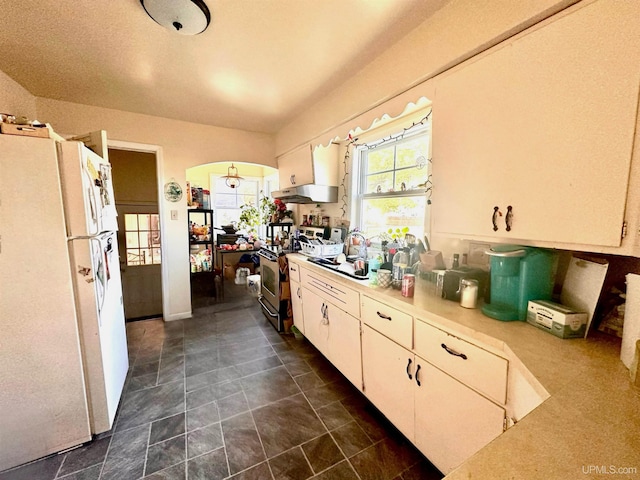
223, 395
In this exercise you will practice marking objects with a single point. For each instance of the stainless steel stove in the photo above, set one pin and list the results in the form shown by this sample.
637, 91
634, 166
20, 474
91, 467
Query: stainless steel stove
273, 270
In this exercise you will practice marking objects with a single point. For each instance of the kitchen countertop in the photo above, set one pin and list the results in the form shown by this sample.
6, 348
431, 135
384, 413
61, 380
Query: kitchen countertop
589, 427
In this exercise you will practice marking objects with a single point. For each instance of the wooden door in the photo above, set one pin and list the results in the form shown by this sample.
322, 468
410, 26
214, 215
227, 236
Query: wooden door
296, 305
140, 262
316, 327
452, 422
387, 370
344, 344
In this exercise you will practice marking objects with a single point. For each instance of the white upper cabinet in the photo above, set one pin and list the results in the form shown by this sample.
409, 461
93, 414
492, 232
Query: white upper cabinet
307, 165
540, 131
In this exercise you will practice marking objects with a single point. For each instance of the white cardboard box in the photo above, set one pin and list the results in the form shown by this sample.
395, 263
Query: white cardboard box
557, 319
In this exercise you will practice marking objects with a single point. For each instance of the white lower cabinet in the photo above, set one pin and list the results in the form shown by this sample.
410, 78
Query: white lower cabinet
387, 370
335, 333
296, 305
445, 419
452, 422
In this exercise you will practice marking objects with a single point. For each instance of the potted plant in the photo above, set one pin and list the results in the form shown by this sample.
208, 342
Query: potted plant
252, 216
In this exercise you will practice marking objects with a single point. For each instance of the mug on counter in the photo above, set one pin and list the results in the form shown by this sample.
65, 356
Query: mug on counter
384, 278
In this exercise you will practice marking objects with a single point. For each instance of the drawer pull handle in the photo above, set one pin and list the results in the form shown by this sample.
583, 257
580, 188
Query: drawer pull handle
408, 374
453, 352
382, 315
417, 380
509, 218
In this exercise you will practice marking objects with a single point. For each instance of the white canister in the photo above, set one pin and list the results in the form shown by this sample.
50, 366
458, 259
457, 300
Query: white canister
468, 293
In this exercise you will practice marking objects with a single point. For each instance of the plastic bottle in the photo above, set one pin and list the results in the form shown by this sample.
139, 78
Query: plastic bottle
374, 265
400, 264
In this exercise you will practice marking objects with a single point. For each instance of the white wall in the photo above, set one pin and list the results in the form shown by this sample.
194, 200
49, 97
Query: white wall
456, 32
14, 99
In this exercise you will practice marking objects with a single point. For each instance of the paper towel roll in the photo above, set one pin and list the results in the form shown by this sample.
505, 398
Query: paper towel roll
631, 329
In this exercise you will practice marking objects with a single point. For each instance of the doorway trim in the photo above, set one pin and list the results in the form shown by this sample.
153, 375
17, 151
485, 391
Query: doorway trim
157, 150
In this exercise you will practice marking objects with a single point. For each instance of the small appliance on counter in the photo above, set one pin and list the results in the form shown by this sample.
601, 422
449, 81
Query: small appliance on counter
452, 281
518, 274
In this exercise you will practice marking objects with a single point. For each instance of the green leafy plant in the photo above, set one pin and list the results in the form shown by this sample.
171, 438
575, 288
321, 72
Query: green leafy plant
252, 216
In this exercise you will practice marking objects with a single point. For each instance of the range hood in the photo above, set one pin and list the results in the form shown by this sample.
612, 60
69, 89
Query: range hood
308, 194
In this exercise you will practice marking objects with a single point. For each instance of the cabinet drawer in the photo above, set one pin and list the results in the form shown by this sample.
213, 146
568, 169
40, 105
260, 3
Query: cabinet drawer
341, 296
472, 365
294, 272
392, 323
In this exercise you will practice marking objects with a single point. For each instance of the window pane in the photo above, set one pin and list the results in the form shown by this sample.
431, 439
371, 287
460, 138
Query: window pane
155, 221
247, 187
408, 152
411, 178
382, 180
226, 216
143, 222
130, 222
156, 255
380, 214
133, 257
247, 199
155, 238
221, 186
132, 239
226, 201
146, 257
144, 239
380, 160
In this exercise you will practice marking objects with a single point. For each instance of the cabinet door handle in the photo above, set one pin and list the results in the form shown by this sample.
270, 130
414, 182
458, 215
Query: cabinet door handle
494, 218
450, 351
292, 178
509, 218
408, 373
325, 314
382, 315
417, 379
299, 293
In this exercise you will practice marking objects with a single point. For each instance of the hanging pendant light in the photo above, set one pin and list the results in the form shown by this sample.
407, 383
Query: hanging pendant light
232, 177
186, 17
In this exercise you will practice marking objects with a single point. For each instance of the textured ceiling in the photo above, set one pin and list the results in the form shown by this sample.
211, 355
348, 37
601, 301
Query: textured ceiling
257, 66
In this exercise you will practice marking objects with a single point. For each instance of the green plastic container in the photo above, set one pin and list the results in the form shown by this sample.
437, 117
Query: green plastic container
527, 274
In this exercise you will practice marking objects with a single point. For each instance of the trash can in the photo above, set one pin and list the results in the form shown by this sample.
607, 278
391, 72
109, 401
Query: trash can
253, 285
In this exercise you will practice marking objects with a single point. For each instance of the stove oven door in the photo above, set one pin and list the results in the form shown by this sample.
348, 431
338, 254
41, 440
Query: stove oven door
270, 282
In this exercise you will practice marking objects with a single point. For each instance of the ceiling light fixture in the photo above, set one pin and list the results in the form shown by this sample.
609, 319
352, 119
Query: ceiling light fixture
232, 178
187, 17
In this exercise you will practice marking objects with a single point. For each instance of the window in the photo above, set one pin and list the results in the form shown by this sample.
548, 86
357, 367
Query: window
142, 233
227, 201
392, 183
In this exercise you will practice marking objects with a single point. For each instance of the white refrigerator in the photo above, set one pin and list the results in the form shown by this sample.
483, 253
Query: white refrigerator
63, 347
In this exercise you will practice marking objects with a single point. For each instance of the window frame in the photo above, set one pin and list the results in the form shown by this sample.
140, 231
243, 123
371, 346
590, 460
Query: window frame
378, 142
139, 249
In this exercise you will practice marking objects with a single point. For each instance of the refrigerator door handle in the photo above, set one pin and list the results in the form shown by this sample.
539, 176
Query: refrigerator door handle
90, 193
100, 275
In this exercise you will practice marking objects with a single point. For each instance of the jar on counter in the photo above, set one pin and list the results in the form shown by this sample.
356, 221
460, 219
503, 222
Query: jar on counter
468, 293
